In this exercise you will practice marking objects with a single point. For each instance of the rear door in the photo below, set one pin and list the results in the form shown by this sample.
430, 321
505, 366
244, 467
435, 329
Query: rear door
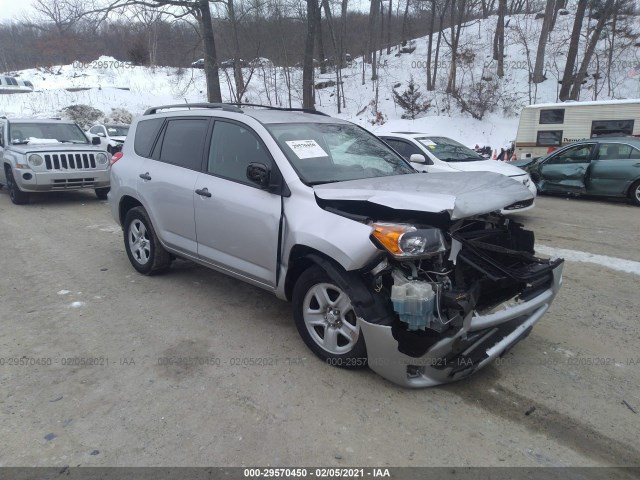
613, 169
167, 181
566, 171
237, 223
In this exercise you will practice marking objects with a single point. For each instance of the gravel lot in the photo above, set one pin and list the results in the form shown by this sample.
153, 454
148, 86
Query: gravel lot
256, 396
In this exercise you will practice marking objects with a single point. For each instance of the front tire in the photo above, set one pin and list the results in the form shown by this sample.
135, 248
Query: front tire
634, 193
326, 320
17, 196
143, 247
101, 193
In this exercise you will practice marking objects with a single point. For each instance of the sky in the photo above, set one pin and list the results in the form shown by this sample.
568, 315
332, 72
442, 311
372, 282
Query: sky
12, 9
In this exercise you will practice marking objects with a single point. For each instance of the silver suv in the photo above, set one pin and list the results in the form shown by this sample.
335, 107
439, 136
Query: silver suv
47, 155
415, 275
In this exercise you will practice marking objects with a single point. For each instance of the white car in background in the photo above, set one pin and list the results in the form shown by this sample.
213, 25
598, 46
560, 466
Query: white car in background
431, 153
112, 135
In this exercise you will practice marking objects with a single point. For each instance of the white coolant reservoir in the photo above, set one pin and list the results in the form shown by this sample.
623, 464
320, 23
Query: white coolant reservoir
414, 302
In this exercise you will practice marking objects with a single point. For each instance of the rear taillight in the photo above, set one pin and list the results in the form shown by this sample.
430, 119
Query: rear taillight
116, 156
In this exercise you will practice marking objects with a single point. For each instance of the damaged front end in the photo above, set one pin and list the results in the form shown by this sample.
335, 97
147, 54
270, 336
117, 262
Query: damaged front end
459, 293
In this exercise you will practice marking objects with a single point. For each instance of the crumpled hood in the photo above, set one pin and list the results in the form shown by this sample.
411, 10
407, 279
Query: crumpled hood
495, 166
462, 194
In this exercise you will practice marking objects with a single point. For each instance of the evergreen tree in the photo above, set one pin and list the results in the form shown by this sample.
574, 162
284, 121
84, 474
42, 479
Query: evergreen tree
410, 101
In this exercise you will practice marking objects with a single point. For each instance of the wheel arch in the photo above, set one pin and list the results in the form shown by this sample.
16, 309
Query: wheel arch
631, 184
368, 304
127, 202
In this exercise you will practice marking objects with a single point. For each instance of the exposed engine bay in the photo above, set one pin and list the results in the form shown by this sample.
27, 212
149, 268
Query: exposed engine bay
438, 272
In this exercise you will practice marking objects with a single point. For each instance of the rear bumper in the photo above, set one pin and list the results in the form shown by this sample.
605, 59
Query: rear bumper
30, 181
482, 339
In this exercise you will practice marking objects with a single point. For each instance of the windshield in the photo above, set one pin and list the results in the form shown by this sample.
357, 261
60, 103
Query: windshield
325, 153
117, 130
449, 150
25, 133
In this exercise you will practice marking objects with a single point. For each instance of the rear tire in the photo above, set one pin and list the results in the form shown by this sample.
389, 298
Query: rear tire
16, 195
143, 247
326, 320
101, 193
634, 193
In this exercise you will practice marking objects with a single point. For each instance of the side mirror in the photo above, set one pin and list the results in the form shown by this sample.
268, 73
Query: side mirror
259, 174
95, 140
417, 158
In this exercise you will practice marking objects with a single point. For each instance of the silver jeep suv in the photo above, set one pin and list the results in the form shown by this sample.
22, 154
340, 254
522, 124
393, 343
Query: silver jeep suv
416, 275
43, 155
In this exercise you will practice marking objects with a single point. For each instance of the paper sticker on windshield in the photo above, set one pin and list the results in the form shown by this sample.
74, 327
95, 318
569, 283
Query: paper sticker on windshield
427, 143
306, 149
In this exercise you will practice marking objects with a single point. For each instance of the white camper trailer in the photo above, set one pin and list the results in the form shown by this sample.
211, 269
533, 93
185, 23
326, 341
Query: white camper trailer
545, 127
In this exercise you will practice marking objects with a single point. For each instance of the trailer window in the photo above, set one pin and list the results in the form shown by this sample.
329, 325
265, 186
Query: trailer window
549, 138
552, 116
600, 128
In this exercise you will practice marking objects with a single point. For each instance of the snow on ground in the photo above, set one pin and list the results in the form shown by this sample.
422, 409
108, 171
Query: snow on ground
108, 83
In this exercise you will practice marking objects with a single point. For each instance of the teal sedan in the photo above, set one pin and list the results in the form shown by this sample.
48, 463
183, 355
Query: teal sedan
605, 166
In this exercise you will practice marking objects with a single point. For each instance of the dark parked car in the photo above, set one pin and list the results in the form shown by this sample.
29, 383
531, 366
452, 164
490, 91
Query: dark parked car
198, 63
607, 166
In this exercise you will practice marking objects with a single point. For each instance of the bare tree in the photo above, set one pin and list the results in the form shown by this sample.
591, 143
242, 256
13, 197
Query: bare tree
151, 19
572, 53
498, 38
63, 15
538, 70
458, 14
307, 66
605, 14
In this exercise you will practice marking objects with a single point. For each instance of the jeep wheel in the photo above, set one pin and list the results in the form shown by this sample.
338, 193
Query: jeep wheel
326, 320
634, 193
16, 195
144, 250
101, 193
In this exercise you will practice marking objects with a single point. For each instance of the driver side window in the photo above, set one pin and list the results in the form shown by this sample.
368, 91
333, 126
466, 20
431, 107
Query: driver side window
233, 148
577, 154
403, 148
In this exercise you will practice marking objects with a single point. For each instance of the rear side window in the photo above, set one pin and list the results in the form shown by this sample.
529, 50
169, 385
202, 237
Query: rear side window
614, 151
183, 142
146, 134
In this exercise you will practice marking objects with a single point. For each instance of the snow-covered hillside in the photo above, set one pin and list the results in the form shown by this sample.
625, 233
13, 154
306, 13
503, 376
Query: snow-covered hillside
108, 83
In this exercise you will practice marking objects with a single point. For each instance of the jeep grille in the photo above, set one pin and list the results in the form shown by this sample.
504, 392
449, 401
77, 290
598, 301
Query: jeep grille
70, 161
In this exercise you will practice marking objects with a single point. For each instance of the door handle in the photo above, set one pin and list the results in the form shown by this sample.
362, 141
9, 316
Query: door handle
145, 176
204, 192
636, 164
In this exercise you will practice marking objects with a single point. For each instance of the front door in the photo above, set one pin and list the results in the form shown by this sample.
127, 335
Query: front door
567, 170
237, 223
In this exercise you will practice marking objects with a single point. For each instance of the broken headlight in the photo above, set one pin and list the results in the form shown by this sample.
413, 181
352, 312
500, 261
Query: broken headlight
407, 242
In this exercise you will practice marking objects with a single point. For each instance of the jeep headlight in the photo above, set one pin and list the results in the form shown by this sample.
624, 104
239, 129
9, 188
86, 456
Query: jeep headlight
35, 160
101, 158
406, 241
